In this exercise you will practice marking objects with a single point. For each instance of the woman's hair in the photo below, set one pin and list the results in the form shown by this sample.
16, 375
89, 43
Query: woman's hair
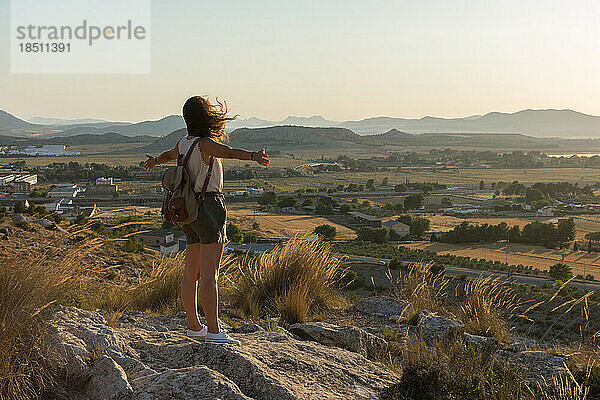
204, 119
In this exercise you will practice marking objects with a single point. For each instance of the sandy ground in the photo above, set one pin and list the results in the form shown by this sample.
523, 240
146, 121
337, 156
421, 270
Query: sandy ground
280, 226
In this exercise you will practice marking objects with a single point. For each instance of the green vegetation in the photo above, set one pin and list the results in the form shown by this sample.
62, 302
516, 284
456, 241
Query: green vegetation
234, 233
418, 225
536, 233
326, 232
560, 271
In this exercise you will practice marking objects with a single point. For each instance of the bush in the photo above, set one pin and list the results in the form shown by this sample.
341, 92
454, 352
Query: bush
374, 235
267, 198
234, 233
133, 245
292, 280
326, 232
560, 271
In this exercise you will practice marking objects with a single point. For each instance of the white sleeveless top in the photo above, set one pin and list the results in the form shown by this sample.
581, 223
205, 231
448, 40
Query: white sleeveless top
198, 168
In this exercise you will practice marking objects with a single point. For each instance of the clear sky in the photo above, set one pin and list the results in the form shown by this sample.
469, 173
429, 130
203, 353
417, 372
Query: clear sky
344, 60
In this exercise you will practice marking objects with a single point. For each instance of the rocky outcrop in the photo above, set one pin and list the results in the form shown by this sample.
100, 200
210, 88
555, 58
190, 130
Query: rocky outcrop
436, 328
347, 337
384, 306
149, 358
538, 366
480, 343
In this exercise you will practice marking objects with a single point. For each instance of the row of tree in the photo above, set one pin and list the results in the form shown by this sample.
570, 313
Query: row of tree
536, 233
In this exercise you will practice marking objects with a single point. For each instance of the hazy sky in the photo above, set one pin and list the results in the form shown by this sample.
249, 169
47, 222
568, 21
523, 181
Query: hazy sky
340, 59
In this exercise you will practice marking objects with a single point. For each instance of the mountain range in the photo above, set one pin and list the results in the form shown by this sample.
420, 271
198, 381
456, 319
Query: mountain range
538, 123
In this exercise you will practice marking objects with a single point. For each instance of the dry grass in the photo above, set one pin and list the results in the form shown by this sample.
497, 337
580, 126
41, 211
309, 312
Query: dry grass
290, 281
283, 226
32, 282
483, 307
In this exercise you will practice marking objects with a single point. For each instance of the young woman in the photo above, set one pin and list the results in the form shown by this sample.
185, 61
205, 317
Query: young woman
205, 236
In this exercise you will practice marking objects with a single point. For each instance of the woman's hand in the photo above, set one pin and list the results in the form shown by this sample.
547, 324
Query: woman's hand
261, 157
150, 162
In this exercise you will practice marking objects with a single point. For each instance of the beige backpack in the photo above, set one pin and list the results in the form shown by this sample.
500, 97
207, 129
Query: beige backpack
180, 205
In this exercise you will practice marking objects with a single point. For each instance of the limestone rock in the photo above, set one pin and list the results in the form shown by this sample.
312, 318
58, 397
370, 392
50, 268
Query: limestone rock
538, 366
480, 343
435, 328
108, 381
199, 383
383, 306
160, 362
347, 337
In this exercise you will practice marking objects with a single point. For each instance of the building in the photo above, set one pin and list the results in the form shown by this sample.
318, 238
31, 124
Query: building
59, 205
17, 183
546, 211
65, 191
45, 150
399, 227
157, 237
104, 188
361, 219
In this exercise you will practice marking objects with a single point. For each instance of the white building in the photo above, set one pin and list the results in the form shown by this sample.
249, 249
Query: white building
65, 191
399, 227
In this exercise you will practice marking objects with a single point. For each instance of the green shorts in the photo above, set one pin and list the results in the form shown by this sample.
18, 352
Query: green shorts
209, 227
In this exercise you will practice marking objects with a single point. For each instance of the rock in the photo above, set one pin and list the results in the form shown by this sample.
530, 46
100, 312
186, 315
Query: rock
187, 383
346, 337
383, 306
74, 334
480, 343
539, 367
108, 380
165, 364
248, 327
435, 328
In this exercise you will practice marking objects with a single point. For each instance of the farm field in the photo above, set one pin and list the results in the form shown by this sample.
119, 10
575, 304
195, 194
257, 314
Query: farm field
538, 257
281, 226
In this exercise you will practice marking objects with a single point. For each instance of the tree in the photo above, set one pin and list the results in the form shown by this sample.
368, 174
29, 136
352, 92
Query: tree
418, 225
80, 219
323, 209
446, 202
345, 207
133, 245
375, 235
267, 198
19, 207
371, 184
413, 201
481, 185
308, 202
400, 188
560, 271
384, 181
287, 201
532, 195
327, 232
234, 233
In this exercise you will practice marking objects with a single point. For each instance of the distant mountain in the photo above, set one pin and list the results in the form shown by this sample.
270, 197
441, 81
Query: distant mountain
315, 121
289, 137
149, 128
277, 137
9, 121
61, 121
540, 123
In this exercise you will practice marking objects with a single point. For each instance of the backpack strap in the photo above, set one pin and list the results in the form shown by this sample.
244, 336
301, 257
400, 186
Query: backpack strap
206, 180
189, 152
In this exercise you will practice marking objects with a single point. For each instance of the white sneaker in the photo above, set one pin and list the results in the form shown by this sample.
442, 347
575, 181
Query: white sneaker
220, 338
201, 334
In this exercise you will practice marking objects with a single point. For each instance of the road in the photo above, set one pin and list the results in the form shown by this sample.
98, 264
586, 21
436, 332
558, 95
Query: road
473, 273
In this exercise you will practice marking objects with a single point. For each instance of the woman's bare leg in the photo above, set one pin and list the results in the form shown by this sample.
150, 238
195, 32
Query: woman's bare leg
189, 284
209, 293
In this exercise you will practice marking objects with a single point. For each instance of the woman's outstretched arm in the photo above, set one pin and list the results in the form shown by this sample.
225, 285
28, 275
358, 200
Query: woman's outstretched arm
163, 157
213, 148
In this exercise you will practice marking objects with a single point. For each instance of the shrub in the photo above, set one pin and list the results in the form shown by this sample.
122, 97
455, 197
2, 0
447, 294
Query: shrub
133, 245
234, 233
292, 280
326, 232
560, 271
